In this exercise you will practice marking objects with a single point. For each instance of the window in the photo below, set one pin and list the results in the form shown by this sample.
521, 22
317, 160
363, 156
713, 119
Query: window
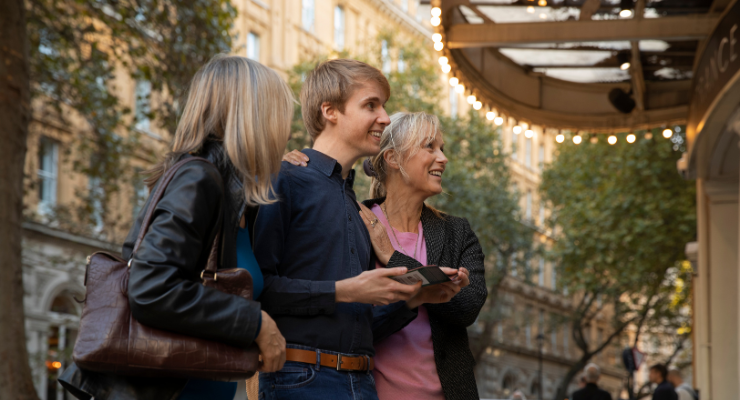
514, 145
339, 28
541, 323
565, 338
60, 340
500, 331
453, 103
47, 174
253, 46
139, 195
96, 201
528, 152
541, 280
385, 57
542, 213
554, 337
143, 105
528, 327
528, 206
541, 156
553, 278
307, 15
401, 62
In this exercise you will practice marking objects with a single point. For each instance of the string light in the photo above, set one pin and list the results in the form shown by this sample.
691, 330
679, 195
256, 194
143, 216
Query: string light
517, 129
543, 16
612, 139
667, 133
443, 60
446, 68
471, 99
454, 81
530, 10
648, 135
436, 11
560, 138
498, 121
529, 133
435, 21
625, 65
436, 38
460, 88
542, 3
577, 139
477, 105
594, 140
439, 46
490, 115
625, 13
631, 138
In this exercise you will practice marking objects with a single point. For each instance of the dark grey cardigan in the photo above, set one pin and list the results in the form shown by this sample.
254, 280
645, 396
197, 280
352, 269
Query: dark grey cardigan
452, 243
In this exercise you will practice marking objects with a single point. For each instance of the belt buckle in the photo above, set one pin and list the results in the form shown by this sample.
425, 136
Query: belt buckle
339, 364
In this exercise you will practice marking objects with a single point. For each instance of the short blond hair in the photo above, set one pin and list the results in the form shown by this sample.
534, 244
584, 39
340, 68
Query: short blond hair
334, 81
247, 106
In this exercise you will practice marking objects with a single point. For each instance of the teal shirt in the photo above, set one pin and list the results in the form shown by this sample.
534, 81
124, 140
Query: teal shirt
202, 389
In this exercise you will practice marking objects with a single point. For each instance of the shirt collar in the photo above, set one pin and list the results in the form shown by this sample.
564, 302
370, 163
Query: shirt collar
321, 162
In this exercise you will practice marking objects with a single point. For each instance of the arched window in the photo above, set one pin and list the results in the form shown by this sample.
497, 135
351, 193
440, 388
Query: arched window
534, 388
60, 340
508, 385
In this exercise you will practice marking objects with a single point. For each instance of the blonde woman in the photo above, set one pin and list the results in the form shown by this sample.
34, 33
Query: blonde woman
429, 358
237, 115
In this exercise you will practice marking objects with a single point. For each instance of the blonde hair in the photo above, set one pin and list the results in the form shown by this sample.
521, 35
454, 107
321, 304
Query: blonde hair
334, 81
405, 136
248, 107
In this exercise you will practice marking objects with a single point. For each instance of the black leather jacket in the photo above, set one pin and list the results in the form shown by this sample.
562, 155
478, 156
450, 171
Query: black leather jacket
164, 282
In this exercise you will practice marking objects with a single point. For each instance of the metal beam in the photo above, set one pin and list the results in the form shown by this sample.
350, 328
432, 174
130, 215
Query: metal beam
501, 35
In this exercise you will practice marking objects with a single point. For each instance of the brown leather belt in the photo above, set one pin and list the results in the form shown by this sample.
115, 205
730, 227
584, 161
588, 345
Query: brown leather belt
338, 361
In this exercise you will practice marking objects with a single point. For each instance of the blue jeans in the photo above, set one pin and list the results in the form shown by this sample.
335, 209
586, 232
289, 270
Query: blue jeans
299, 381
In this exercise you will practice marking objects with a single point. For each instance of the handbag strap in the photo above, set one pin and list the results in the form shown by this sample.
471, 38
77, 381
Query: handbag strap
156, 197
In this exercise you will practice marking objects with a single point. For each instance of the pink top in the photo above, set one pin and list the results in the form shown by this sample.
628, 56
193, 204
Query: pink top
404, 362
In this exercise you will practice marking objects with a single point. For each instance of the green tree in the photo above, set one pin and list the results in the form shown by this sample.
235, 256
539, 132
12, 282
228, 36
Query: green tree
61, 56
477, 179
624, 216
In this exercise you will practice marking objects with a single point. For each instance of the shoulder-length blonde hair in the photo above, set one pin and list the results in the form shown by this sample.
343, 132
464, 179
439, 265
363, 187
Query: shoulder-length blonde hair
247, 106
404, 136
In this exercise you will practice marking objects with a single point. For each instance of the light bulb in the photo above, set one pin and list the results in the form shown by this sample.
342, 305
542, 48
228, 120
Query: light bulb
612, 139
625, 66
529, 133
436, 38
577, 139
648, 135
667, 133
517, 129
477, 105
631, 138
498, 121
460, 88
439, 46
471, 99
542, 3
593, 140
446, 68
560, 138
490, 115
543, 16
436, 11
435, 21
454, 81
625, 13
530, 10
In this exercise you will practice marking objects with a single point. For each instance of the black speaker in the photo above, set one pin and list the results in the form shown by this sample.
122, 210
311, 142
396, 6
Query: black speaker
621, 100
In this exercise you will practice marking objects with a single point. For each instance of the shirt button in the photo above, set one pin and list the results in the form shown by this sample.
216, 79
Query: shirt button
350, 218
353, 251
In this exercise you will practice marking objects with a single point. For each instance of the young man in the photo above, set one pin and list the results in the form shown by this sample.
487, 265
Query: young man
315, 252
664, 390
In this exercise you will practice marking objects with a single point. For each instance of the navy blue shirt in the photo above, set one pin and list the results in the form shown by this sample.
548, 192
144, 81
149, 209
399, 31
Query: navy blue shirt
311, 238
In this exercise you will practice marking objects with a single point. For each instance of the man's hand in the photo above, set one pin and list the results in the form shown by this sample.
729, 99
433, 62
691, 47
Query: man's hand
272, 345
295, 157
443, 292
375, 287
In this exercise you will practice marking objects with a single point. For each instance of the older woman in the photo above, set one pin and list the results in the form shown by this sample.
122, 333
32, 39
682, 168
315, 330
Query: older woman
430, 358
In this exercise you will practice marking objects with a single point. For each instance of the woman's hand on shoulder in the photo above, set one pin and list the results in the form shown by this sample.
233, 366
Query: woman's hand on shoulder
295, 157
378, 236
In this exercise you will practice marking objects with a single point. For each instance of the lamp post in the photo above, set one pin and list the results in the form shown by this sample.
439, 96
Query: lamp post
540, 343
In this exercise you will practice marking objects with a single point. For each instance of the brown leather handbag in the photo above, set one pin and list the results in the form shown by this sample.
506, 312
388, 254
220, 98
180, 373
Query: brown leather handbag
110, 340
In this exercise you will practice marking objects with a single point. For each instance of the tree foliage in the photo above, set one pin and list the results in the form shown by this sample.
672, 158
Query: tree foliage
78, 49
624, 216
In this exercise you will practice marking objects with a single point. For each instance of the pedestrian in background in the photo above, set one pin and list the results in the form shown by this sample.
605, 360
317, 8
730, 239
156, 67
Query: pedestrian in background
683, 389
591, 391
237, 116
664, 390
